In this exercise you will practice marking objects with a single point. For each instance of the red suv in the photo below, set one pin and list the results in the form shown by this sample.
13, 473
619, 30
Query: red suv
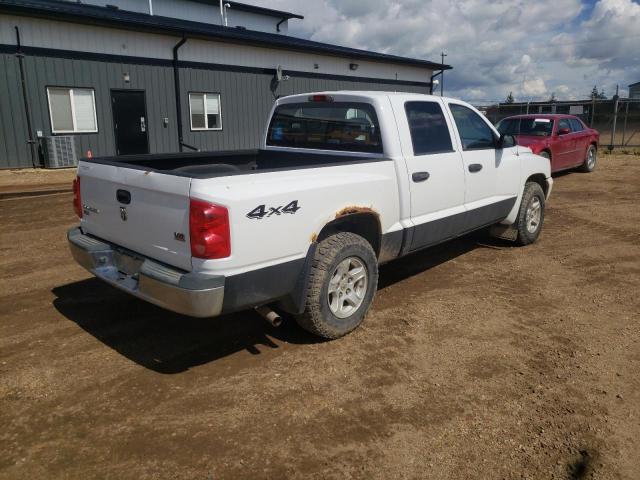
564, 139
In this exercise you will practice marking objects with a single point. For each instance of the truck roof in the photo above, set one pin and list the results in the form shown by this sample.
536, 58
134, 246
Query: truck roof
362, 93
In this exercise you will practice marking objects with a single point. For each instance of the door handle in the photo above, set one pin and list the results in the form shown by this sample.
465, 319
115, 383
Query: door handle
475, 167
420, 176
143, 124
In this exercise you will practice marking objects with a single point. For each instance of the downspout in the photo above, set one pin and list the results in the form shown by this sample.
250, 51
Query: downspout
25, 99
176, 83
284, 19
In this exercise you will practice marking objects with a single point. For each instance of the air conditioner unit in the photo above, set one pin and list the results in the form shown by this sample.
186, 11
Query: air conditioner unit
59, 151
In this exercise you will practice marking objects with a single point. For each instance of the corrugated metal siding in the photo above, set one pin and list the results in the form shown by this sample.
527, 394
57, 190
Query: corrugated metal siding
14, 149
246, 99
87, 38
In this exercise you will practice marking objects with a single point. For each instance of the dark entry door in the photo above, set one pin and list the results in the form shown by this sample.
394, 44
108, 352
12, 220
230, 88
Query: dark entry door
129, 122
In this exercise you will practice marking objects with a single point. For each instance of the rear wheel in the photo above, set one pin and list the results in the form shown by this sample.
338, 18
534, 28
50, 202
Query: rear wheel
342, 283
589, 164
531, 214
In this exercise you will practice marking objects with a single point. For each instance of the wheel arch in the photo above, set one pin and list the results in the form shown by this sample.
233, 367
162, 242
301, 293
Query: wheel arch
363, 222
540, 179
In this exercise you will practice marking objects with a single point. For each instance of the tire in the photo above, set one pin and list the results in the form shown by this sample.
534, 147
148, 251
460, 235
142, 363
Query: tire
340, 251
528, 226
590, 160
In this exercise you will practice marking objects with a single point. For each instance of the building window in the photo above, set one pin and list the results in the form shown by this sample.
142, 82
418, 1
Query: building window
72, 110
204, 110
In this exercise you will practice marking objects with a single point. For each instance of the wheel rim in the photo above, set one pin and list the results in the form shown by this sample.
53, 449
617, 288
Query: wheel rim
591, 158
347, 287
534, 214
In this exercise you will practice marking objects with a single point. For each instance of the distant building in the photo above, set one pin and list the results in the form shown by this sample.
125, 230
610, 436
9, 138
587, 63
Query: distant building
634, 90
119, 77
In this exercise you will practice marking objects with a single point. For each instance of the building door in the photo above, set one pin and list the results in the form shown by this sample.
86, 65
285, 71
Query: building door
130, 121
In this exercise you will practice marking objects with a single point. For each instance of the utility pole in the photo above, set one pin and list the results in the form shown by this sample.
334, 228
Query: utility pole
442, 55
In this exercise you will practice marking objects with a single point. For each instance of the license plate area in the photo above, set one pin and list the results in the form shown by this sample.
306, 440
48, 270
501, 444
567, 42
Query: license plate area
126, 263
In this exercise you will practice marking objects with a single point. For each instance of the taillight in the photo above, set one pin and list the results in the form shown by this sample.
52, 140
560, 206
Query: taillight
77, 200
209, 230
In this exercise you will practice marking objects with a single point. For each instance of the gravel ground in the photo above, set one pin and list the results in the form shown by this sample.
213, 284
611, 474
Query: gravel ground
478, 360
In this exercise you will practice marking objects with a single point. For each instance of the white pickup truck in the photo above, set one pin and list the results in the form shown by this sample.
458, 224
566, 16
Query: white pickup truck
343, 182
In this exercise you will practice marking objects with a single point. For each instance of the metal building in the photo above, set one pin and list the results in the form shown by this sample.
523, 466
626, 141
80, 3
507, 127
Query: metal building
138, 76
634, 90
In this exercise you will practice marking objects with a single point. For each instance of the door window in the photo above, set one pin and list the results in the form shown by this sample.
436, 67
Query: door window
474, 132
563, 123
576, 125
429, 131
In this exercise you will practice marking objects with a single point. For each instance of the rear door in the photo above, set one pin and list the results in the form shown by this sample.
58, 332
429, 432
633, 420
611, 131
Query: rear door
582, 137
492, 176
436, 175
144, 211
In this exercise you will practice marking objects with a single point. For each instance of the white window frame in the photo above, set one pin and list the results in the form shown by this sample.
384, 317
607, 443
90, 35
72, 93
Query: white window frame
73, 110
206, 120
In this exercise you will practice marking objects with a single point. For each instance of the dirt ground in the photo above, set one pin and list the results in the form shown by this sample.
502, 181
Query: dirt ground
478, 360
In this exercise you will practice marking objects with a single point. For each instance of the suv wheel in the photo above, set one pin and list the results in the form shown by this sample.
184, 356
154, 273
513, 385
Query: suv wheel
342, 283
531, 214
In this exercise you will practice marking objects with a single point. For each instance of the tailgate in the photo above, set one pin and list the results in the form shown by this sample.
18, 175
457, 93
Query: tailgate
154, 222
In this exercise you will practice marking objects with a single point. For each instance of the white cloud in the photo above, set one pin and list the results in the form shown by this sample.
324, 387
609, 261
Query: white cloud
530, 48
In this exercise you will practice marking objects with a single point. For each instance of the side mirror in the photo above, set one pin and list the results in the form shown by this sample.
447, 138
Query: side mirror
563, 131
506, 141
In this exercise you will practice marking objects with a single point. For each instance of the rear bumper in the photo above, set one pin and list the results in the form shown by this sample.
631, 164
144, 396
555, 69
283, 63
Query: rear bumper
192, 294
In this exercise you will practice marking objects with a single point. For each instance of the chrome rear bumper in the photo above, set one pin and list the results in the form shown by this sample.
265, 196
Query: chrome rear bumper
192, 294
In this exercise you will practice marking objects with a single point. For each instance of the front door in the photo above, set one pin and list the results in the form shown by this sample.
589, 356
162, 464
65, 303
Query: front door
129, 122
565, 145
492, 175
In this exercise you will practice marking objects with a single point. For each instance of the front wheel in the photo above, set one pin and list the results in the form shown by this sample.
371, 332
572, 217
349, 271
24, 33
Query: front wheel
531, 214
342, 283
589, 164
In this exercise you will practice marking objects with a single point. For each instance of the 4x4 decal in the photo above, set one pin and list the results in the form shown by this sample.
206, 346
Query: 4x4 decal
262, 211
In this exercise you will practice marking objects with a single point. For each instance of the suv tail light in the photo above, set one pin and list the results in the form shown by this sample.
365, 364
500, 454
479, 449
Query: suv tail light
209, 230
77, 200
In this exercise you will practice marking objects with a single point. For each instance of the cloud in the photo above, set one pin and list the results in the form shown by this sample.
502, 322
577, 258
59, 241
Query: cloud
530, 48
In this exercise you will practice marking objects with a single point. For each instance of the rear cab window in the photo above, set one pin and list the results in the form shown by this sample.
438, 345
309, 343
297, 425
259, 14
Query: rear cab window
338, 126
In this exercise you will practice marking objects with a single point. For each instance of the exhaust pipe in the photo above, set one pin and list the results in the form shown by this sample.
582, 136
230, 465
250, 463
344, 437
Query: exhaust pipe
269, 315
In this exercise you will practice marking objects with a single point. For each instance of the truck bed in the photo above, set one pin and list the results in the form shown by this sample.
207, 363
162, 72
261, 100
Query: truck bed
221, 164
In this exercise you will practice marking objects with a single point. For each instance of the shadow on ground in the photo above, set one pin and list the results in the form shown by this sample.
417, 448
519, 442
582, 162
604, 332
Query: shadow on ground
169, 343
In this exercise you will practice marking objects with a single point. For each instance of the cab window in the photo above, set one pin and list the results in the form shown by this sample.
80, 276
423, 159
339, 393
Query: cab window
563, 123
428, 128
474, 132
344, 126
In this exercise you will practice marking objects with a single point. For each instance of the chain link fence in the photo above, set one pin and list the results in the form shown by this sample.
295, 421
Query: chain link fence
618, 121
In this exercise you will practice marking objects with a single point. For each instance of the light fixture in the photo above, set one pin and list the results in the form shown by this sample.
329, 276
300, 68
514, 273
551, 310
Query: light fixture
353, 66
126, 77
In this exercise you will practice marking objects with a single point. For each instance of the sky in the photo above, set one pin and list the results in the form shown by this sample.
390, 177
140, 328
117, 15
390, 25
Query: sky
531, 48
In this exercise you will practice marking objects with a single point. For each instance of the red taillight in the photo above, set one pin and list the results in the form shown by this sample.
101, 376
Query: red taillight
209, 230
77, 200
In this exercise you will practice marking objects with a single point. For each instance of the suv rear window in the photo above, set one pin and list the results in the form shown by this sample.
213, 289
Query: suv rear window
344, 126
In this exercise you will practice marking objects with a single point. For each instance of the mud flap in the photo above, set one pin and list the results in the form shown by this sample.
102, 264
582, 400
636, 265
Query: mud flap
505, 232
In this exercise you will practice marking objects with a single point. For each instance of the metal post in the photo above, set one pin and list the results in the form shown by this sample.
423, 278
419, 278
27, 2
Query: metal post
442, 55
528, 106
615, 120
624, 125
593, 111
